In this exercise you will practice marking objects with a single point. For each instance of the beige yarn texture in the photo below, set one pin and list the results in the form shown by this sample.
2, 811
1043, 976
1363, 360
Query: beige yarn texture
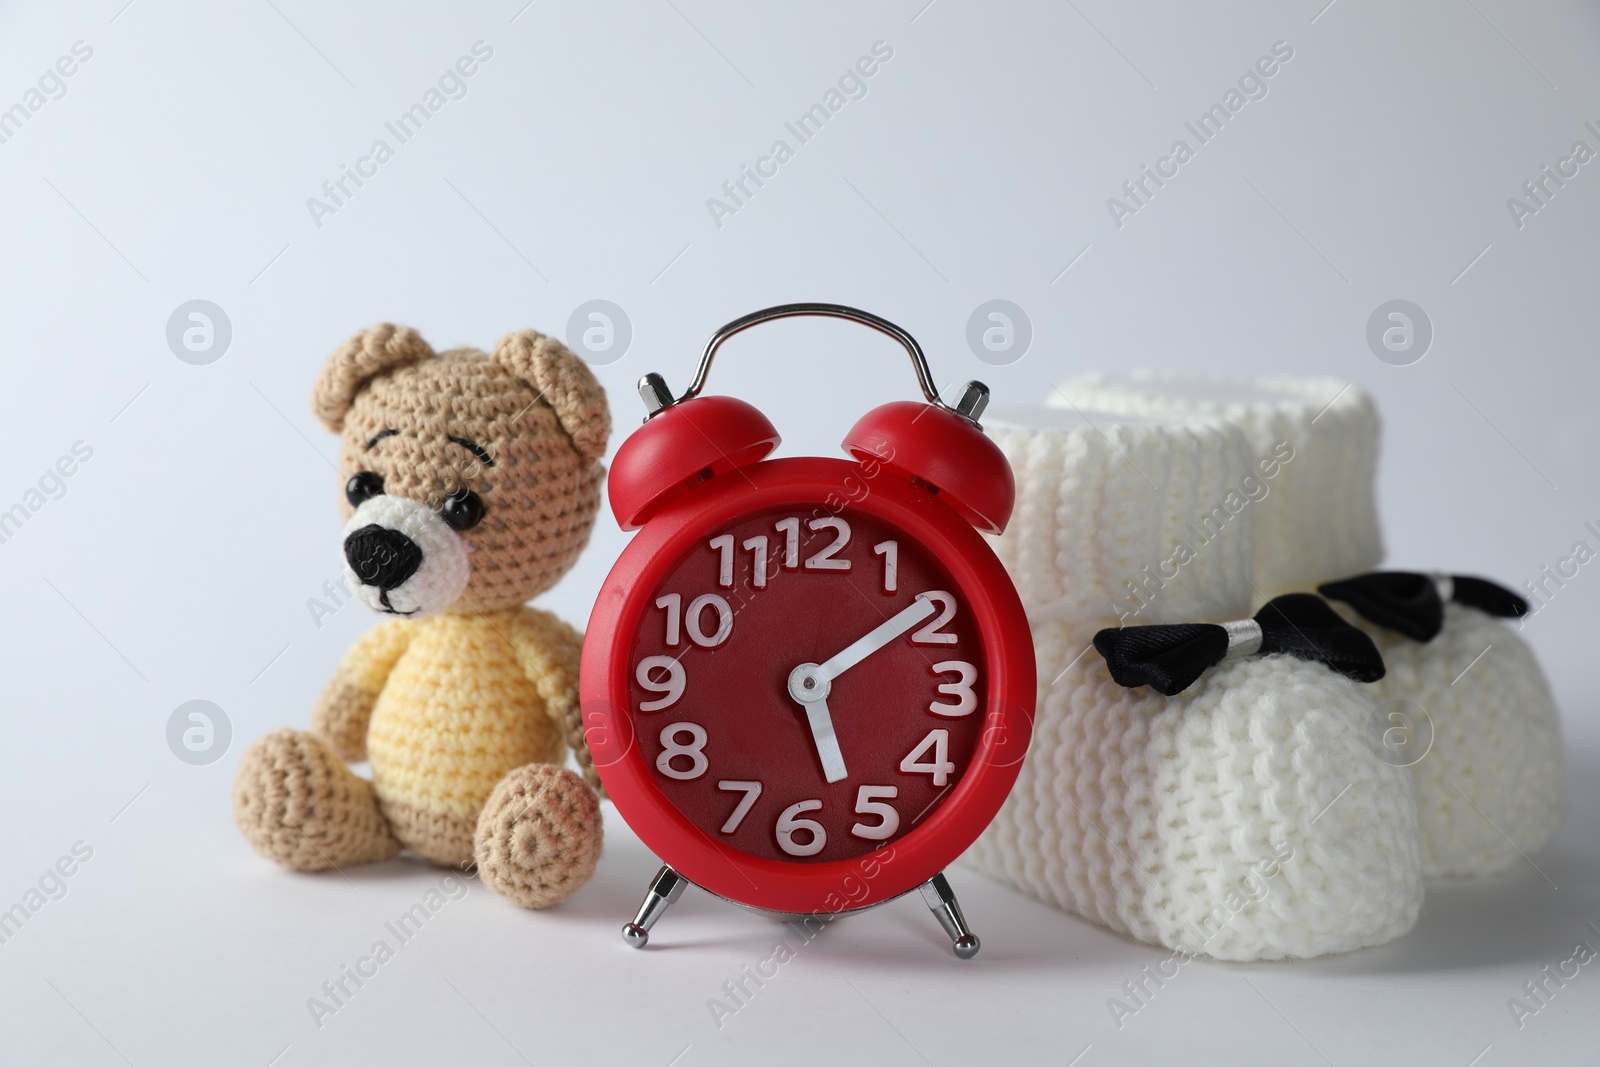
532, 405
298, 804
468, 708
1321, 521
1250, 816
538, 837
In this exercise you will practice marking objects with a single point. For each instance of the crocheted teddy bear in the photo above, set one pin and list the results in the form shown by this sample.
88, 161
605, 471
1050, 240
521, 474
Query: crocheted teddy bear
471, 486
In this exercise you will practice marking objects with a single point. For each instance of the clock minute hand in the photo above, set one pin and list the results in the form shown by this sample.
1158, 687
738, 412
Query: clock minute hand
876, 638
809, 683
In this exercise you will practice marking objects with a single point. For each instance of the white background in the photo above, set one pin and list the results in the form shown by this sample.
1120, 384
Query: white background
180, 560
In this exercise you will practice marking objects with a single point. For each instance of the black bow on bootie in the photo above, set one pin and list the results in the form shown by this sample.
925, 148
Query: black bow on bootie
1170, 658
1413, 604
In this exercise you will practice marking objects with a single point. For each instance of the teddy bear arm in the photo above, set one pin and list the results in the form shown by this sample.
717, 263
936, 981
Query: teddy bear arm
340, 717
551, 653
344, 709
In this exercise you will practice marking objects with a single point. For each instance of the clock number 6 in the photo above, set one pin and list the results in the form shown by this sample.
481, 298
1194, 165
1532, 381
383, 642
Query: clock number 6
789, 822
694, 751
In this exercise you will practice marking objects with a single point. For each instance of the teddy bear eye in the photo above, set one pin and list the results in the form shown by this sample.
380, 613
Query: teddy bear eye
362, 486
463, 509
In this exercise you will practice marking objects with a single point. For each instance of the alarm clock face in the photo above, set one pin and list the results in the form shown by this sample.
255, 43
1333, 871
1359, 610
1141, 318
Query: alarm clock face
801, 662
743, 715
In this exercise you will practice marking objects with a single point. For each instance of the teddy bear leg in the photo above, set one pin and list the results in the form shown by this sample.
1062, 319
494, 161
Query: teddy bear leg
440, 837
539, 835
297, 804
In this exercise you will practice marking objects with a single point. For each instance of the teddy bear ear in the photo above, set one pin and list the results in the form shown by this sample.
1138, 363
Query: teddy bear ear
368, 354
566, 384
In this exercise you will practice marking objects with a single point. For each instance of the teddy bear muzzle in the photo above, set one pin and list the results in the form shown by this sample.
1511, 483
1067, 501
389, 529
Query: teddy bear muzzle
403, 559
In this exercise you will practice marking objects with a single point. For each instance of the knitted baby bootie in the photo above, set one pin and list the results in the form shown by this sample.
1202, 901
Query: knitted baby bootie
1315, 442
1483, 743
1246, 817
1466, 706
297, 804
539, 835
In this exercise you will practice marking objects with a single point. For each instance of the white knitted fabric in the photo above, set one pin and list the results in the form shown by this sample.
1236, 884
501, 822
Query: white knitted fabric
1492, 781
1113, 497
1321, 521
1482, 736
1249, 817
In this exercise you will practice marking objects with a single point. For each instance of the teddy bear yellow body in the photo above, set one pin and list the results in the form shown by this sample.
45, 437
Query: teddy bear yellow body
459, 702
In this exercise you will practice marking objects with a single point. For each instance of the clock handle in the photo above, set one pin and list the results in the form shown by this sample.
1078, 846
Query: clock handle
657, 397
941, 900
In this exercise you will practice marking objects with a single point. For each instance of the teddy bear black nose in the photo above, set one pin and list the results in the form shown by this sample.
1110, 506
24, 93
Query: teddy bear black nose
382, 557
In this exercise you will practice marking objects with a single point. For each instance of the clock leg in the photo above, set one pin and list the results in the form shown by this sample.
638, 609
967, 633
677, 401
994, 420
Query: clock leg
941, 900
665, 889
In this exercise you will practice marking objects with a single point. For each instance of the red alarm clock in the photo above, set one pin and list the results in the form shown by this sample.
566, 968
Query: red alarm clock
808, 683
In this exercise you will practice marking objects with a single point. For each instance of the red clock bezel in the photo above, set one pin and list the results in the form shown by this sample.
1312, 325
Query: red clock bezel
986, 590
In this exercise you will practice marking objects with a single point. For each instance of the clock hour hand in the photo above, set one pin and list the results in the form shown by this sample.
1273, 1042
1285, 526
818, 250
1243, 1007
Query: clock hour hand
812, 694
827, 742
809, 683
876, 638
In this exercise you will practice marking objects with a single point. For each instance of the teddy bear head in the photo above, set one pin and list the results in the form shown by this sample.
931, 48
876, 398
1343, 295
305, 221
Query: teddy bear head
470, 482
